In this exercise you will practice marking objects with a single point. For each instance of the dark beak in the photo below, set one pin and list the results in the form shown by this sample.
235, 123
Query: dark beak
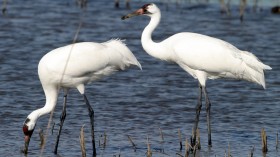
135, 13
26, 144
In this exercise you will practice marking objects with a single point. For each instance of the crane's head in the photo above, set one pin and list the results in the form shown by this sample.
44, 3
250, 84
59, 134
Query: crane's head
147, 9
28, 128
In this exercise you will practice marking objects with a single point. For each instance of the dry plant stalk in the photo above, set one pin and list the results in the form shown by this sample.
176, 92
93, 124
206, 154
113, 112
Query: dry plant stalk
264, 141
105, 140
198, 139
82, 142
161, 135
252, 152
42, 138
132, 143
277, 141
180, 139
149, 151
53, 127
187, 148
228, 150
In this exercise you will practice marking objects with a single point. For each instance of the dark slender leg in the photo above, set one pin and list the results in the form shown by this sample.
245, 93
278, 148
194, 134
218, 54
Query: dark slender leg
198, 108
91, 115
208, 107
62, 118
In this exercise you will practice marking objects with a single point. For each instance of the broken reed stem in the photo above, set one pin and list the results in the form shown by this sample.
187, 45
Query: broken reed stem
46, 133
53, 127
161, 135
103, 140
161, 140
180, 139
252, 152
42, 139
82, 142
277, 141
198, 139
132, 143
264, 141
192, 138
149, 152
187, 148
229, 150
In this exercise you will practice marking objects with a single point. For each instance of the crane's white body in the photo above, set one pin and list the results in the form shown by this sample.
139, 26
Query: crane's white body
202, 56
75, 65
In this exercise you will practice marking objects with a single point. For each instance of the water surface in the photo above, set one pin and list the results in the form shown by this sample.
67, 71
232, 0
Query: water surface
134, 102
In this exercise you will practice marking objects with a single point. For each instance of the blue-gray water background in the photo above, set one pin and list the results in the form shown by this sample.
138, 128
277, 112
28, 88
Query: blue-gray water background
134, 102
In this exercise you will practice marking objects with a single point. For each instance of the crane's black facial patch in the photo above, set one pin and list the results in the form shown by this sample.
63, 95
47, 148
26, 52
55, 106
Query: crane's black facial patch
25, 129
26, 121
145, 8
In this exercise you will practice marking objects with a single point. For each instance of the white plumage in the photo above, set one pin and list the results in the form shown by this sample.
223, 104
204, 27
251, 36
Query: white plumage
74, 66
203, 57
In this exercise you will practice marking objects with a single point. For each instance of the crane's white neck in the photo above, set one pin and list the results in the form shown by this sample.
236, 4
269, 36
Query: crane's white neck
156, 50
51, 99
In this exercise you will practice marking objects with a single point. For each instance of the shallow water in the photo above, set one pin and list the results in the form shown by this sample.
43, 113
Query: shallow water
134, 102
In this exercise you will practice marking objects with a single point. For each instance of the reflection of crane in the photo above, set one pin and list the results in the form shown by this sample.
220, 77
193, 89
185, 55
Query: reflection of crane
74, 66
201, 56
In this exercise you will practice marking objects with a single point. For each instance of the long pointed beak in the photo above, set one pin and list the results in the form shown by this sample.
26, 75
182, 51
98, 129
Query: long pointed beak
26, 144
135, 13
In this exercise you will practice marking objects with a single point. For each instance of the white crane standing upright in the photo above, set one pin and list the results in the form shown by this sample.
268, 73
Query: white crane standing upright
203, 57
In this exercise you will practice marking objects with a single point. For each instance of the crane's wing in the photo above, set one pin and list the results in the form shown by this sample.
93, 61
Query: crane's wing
216, 58
200, 52
85, 62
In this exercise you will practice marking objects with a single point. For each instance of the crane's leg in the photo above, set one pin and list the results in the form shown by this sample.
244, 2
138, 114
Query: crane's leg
62, 118
198, 108
208, 107
91, 115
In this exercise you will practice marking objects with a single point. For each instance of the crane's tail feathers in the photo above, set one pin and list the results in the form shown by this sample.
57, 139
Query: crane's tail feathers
127, 55
254, 69
266, 67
